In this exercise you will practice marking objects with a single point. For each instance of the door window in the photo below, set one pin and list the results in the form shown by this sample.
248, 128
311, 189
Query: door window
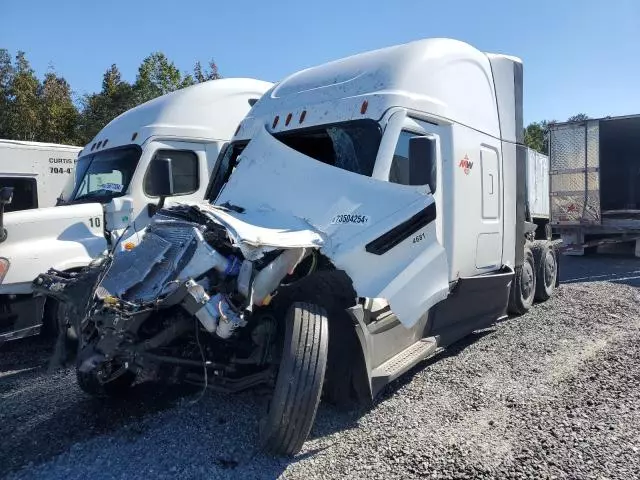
400, 171
186, 177
25, 193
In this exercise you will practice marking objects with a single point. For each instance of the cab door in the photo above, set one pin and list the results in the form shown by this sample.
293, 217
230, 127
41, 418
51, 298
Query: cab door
423, 277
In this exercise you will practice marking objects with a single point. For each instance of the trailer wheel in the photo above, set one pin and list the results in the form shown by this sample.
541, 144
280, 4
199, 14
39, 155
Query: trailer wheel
96, 381
546, 272
523, 287
292, 410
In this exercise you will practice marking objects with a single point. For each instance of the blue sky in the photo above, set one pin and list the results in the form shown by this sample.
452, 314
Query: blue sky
579, 55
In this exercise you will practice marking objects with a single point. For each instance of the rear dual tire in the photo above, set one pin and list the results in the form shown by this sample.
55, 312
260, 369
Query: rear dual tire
523, 288
546, 262
535, 280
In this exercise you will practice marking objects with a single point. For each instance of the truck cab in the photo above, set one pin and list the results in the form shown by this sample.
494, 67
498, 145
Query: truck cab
368, 213
113, 195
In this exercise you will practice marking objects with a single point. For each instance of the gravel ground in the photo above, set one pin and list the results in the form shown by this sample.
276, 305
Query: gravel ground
552, 394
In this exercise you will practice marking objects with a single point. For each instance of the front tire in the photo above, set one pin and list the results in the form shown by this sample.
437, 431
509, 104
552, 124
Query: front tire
299, 383
523, 288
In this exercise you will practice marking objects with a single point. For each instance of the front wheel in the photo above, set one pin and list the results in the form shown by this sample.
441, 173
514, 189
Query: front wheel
295, 400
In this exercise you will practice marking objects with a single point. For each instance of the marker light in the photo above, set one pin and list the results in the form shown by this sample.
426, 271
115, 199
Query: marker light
4, 268
129, 246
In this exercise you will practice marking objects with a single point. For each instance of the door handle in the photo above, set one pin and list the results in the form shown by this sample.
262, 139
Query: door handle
491, 192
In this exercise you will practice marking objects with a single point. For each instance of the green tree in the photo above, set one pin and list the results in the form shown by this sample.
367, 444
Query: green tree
157, 76
6, 78
58, 114
24, 120
202, 75
98, 109
580, 117
536, 136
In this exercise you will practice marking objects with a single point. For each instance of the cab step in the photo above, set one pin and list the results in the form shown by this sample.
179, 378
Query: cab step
404, 361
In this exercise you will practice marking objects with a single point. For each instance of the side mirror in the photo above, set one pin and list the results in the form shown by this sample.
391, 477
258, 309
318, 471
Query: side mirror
422, 161
160, 181
6, 195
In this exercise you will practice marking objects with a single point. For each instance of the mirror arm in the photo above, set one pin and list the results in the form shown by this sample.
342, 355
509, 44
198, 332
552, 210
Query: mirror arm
153, 208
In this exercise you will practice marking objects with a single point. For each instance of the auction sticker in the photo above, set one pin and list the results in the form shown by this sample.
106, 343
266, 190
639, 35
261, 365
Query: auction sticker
350, 218
111, 187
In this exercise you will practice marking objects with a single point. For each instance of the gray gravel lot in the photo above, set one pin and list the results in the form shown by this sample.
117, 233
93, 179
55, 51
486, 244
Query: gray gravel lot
552, 394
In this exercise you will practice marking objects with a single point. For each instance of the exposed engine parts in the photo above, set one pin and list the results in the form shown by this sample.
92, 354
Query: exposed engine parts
215, 314
186, 296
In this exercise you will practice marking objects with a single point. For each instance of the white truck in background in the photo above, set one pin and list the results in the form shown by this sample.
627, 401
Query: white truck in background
114, 194
37, 172
368, 213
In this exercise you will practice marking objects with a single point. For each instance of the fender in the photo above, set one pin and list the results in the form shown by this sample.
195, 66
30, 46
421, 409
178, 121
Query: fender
60, 237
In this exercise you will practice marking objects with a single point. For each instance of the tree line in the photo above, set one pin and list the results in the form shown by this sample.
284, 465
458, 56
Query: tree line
536, 133
47, 110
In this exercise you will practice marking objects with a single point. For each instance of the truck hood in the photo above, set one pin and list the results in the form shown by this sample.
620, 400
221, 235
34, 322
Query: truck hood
291, 200
60, 237
280, 198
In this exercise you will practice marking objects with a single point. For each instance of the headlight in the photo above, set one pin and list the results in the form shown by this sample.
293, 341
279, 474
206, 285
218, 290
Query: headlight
4, 268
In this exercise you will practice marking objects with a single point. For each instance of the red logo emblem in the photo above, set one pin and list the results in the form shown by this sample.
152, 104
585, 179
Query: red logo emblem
466, 165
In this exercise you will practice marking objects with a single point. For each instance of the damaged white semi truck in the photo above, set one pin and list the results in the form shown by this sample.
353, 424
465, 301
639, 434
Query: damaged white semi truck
114, 194
368, 213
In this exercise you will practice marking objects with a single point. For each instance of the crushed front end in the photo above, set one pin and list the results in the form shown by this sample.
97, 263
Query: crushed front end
185, 305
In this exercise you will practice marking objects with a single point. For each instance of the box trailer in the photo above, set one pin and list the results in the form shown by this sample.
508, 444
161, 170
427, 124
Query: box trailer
595, 182
37, 172
538, 192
